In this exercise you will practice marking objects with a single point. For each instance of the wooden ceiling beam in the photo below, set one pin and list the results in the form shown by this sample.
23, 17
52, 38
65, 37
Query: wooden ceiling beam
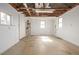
17, 6
29, 11
27, 8
14, 5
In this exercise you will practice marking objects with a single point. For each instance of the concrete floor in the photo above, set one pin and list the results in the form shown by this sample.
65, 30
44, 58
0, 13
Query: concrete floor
43, 45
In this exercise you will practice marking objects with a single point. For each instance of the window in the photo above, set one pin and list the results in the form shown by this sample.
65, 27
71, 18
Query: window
60, 22
8, 20
4, 18
42, 24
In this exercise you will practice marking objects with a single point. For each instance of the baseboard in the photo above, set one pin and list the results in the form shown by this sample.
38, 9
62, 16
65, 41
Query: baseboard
22, 38
9, 47
42, 35
67, 41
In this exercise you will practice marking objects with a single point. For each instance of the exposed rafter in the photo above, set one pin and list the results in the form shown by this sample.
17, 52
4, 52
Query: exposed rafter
29, 9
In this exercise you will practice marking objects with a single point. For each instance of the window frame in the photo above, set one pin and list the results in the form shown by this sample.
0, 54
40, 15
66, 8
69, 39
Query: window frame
6, 19
42, 25
60, 22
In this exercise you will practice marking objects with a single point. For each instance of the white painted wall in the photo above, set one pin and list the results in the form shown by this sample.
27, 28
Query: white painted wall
35, 26
70, 29
10, 35
22, 26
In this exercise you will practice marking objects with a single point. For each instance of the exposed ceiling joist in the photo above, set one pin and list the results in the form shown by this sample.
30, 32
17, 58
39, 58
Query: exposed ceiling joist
29, 9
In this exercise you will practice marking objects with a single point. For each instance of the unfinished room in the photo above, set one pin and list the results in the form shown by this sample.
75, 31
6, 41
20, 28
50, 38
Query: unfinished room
39, 28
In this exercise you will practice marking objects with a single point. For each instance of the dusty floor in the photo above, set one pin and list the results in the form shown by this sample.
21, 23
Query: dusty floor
42, 45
